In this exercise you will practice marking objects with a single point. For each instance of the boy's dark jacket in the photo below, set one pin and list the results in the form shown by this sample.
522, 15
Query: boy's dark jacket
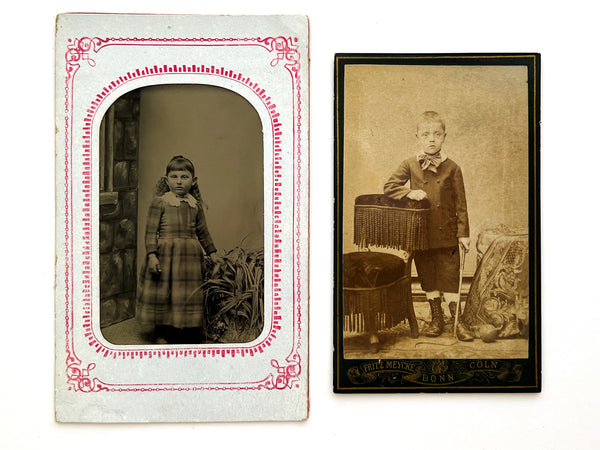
446, 193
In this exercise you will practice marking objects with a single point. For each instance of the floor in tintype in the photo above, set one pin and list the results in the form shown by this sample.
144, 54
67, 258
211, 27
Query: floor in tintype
396, 343
128, 332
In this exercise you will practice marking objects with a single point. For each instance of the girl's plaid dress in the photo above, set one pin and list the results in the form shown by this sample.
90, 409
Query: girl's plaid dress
176, 231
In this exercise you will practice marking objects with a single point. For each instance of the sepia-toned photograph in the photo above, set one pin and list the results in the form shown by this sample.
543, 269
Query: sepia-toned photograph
181, 217
437, 222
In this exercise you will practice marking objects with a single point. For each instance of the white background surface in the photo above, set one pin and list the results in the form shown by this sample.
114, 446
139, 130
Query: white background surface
564, 415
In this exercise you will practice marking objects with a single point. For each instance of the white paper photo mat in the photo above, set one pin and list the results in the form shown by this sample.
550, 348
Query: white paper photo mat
264, 60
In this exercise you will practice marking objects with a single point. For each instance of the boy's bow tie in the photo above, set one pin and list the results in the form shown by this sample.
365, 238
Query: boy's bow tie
430, 162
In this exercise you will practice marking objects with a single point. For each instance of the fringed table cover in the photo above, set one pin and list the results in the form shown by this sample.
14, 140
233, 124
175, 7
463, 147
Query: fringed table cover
381, 221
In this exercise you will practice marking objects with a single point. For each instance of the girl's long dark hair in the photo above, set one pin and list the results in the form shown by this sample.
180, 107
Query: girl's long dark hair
179, 163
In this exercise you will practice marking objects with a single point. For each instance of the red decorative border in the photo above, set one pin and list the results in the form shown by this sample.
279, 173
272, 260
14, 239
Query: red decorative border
78, 377
271, 109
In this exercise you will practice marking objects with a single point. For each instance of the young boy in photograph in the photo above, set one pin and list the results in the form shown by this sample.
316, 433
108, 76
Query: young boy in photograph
432, 175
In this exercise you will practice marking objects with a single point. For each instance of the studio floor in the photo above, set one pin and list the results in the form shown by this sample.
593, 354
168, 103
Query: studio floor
396, 343
128, 332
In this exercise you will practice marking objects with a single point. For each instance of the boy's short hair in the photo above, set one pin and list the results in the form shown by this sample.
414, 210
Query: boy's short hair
431, 116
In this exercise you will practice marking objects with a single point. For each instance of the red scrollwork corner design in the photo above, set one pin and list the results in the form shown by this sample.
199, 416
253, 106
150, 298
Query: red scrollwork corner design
80, 50
80, 379
286, 51
286, 375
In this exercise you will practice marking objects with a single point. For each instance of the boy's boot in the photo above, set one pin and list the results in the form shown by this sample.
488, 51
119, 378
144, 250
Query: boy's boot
436, 326
462, 331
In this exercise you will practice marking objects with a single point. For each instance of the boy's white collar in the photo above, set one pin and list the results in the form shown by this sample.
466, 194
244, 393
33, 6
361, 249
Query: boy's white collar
173, 200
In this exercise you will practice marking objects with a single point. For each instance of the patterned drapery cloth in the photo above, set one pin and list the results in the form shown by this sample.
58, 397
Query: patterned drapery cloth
499, 293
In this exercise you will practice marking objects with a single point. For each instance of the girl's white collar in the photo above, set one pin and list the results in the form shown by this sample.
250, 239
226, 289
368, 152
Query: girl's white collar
173, 200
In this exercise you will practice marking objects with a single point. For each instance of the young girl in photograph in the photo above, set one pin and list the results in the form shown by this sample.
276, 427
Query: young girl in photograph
176, 240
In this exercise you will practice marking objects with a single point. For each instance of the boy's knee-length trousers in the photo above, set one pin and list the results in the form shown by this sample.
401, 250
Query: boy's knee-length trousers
438, 269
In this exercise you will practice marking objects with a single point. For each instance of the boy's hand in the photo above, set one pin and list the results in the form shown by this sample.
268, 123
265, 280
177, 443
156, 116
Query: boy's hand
417, 194
465, 243
153, 264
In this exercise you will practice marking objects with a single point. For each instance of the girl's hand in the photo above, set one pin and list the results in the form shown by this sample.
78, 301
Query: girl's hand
153, 264
210, 261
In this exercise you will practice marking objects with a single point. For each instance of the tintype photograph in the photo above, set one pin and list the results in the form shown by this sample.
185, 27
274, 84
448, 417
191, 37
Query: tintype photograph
437, 223
182, 218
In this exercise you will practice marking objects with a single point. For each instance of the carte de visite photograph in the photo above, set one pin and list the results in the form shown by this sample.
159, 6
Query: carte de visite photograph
437, 263
182, 218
